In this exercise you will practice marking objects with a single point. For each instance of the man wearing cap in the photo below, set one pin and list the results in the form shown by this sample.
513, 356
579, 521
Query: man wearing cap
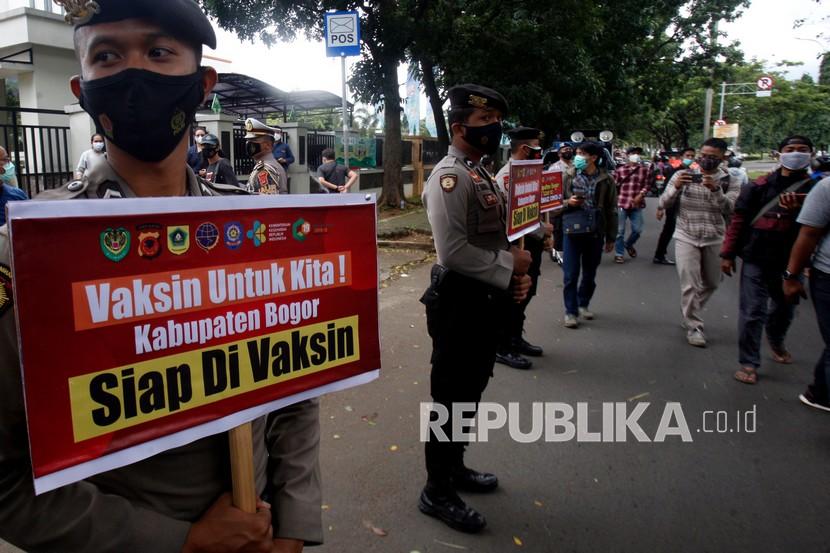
268, 176
525, 143
478, 274
762, 231
141, 83
566, 160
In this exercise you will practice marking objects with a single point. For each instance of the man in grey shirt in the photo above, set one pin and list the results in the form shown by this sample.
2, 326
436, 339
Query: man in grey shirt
812, 242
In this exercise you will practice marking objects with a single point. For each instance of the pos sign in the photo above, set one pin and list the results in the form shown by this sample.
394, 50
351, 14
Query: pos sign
342, 32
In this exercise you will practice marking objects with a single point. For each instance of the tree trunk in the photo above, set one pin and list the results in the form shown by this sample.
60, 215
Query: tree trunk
392, 193
434, 96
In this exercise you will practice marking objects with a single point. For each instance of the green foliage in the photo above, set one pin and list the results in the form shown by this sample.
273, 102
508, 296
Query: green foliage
824, 70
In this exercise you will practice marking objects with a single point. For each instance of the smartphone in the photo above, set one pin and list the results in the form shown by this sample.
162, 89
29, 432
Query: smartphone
697, 177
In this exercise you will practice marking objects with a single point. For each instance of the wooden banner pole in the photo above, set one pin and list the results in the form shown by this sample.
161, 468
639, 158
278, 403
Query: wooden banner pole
242, 467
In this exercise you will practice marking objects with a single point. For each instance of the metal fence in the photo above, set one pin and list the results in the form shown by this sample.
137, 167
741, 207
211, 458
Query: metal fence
315, 144
40, 153
242, 163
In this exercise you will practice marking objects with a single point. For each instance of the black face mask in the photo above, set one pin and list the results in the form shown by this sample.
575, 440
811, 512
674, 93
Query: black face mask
535, 152
252, 148
708, 163
146, 114
485, 139
208, 153
566, 155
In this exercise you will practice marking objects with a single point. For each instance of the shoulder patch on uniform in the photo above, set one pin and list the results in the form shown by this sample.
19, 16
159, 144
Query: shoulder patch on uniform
220, 189
448, 182
6, 296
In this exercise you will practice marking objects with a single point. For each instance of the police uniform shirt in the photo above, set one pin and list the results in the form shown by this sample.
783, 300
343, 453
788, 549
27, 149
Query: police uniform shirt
149, 505
467, 216
268, 177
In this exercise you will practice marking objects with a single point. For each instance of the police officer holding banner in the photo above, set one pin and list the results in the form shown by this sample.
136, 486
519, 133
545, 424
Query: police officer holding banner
141, 83
525, 143
477, 276
268, 176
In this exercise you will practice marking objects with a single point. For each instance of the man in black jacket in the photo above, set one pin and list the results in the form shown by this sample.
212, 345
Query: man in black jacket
762, 232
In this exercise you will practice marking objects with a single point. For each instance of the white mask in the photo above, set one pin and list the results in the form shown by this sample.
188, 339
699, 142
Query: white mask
199, 139
795, 161
278, 136
634, 158
98, 146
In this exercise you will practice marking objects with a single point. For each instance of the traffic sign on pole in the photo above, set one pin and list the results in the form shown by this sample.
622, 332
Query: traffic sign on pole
765, 83
342, 33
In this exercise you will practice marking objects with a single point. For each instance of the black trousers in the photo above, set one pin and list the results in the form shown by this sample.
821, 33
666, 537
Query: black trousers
669, 222
516, 316
464, 321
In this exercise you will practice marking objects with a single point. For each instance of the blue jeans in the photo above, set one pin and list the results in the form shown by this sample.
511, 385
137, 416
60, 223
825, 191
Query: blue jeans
582, 251
636, 217
762, 307
820, 291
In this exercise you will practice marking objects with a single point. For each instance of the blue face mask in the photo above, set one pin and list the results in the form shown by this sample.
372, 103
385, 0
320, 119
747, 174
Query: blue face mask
687, 162
8, 172
580, 162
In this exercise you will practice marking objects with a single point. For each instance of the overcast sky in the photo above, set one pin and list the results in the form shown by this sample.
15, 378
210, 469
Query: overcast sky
765, 31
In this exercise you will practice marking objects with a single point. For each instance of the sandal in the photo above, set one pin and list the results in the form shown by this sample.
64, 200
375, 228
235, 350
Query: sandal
619, 259
631, 252
747, 375
781, 355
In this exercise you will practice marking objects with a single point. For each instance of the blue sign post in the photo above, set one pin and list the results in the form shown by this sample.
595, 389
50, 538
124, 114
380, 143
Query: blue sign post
342, 34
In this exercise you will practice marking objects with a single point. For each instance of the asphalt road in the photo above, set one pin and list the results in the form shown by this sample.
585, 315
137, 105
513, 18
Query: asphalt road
728, 492
762, 491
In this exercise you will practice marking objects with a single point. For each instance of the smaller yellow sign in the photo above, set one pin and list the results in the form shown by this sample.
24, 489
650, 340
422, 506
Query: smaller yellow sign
726, 131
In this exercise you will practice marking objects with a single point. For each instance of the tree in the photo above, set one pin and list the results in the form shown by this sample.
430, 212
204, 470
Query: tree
386, 30
824, 70
570, 64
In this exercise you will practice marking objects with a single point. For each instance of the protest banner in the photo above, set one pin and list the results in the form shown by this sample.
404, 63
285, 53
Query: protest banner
524, 194
146, 324
552, 191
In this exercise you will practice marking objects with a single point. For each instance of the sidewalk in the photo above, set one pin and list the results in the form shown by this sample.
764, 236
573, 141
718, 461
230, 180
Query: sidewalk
414, 218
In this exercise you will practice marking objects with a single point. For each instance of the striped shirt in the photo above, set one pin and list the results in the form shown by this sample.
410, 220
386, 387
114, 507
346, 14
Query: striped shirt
700, 217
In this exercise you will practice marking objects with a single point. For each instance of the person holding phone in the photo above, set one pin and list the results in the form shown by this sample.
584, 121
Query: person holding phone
762, 233
706, 195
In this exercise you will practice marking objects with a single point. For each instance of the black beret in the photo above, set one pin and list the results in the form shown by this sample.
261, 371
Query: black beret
475, 96
524, 133
183, 19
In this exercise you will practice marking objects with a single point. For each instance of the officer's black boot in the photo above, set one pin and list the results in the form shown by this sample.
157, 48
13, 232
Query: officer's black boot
441, 502
510, 358
526, 348
469, 480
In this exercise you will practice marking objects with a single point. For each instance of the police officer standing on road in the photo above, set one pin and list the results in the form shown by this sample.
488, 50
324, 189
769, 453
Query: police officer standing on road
525, 143
478, 274
268, 176
141, 83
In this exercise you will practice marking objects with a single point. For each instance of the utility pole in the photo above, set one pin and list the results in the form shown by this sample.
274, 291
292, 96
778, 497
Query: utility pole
707, 110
